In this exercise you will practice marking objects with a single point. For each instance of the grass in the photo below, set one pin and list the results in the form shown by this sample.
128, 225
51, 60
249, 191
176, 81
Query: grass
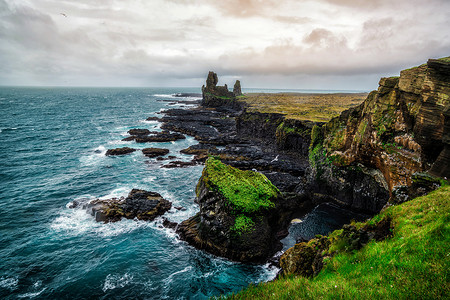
247, 191
312, 107
413, 264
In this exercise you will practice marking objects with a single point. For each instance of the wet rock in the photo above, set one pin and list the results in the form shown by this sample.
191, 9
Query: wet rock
119, 151
179, 164
154, 152
140, 204
169, 224
164, 136
139, 132
154, 119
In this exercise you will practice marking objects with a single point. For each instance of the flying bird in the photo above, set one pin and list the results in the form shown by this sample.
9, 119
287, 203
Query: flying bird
64, 15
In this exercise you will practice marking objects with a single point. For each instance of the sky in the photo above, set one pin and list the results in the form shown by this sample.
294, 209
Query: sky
295, 44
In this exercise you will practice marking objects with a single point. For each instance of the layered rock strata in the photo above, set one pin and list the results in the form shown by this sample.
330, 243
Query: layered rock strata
375, 148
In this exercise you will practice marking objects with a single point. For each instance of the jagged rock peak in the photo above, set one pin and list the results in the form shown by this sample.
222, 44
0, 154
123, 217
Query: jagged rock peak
212, 80
219, 96
237, 89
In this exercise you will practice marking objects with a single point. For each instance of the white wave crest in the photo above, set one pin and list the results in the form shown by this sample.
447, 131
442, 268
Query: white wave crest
31, 295
9, 283
77, 222
117, 281
97, 155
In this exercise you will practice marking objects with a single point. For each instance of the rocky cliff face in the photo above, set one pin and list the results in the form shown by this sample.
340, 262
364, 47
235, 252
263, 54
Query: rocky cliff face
272, 128
219, 96
400, 129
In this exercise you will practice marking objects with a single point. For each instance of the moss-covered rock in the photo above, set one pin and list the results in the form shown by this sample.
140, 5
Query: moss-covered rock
307, 258
238, 217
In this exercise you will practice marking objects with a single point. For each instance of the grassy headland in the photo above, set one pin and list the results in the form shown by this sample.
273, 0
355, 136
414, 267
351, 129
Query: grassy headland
412, 264
312, 107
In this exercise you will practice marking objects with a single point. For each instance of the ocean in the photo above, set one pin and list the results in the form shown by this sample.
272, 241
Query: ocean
52, 152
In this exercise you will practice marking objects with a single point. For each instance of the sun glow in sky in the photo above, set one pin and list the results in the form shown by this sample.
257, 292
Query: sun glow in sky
306, 44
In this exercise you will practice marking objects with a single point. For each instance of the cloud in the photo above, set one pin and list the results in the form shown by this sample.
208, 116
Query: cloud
132, 42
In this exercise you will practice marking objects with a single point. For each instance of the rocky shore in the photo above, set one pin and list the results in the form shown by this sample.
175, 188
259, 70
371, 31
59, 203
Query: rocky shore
263, 168
369, 156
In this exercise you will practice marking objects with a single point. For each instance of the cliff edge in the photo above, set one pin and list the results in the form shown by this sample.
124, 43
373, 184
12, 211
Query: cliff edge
400, 130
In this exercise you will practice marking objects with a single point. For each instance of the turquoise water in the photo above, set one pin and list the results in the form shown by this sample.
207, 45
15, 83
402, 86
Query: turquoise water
52, 145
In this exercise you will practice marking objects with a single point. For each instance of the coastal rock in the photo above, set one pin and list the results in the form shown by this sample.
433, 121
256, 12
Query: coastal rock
219, 96
154, 119
154, 152
164, 136
140, 204
139, 132
400, 129
237, 89
119, 151
236, 214
179, 164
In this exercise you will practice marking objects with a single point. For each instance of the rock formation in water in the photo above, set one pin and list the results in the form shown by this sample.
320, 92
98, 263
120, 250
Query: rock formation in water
119, 151
219, 96
238, 216
140, 204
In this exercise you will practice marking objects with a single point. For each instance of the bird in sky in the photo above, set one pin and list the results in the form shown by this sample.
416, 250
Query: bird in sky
64, 15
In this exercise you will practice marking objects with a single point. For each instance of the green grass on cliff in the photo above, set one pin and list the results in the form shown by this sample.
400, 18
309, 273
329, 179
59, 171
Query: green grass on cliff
247, 191
413, 264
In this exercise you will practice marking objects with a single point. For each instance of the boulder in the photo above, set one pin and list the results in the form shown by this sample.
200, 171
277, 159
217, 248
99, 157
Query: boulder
140, 204
164, 136
138, 131
154, 152
119, 151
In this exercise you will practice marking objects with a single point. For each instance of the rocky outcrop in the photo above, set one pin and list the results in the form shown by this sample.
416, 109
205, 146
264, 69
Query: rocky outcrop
164, 136
238, 216
400, 129
272, 128
139, 131
119, 151
219, 96
154, 152
139, 204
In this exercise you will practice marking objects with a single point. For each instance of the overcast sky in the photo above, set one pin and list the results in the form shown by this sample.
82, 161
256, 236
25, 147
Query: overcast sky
305, 44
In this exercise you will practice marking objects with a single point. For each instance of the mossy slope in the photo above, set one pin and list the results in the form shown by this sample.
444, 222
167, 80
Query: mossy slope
413, 264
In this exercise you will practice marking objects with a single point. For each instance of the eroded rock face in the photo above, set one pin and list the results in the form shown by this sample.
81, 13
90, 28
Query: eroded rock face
119, 151
140, 204
237, 217
400, 129
219, 96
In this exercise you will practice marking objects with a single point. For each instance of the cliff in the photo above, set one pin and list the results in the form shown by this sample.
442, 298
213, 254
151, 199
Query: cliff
399, 130
401, 253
